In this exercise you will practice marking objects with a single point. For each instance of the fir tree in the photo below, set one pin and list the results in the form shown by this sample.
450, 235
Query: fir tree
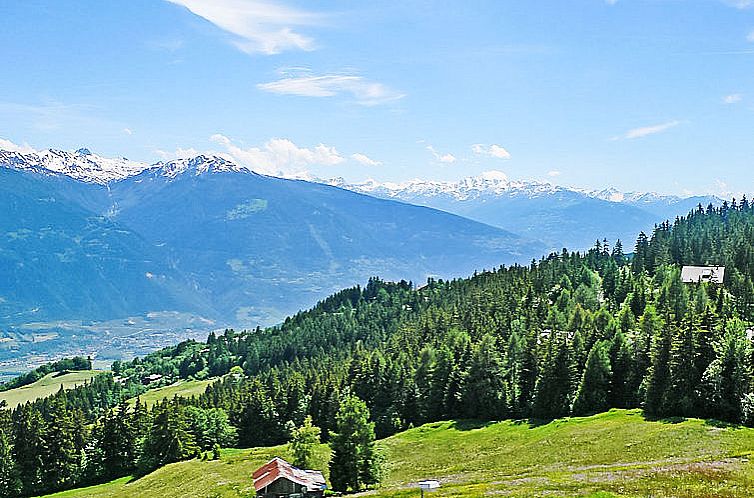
593, 392
303, 444
355, 464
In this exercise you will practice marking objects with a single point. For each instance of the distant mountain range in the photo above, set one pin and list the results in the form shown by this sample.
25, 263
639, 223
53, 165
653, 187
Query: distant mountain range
93, 238
557, 216
88, 238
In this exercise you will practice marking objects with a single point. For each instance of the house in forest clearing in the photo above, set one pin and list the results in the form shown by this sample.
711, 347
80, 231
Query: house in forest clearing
696, 274
279, 479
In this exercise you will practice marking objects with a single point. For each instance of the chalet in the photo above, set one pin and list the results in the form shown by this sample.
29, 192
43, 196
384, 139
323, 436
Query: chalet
279, 479
696, 274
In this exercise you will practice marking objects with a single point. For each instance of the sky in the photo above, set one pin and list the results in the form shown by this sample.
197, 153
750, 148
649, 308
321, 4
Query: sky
635, 94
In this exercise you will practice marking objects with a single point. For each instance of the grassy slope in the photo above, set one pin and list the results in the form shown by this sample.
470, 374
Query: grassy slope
182, 389
613, 454
47, 385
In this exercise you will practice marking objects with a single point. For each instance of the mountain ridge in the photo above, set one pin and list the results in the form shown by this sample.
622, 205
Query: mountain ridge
86, 166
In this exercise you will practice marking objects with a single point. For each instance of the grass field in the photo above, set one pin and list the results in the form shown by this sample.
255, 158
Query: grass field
182, 389
47, 385
614, 454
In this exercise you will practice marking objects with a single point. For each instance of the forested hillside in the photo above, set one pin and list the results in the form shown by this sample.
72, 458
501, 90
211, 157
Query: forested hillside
570, 334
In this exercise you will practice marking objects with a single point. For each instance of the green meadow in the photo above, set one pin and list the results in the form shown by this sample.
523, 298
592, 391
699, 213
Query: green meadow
47, 385
614, 454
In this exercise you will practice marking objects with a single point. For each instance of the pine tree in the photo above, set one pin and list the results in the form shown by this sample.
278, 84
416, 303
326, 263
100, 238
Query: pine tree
658, 377
593, 392
355, 464
304, 441
726, 380
684, 379
168, 440
29, 448
483, 389
62, 456
10, 485
552, 396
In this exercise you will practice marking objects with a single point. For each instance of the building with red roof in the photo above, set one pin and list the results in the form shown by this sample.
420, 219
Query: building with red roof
279, 479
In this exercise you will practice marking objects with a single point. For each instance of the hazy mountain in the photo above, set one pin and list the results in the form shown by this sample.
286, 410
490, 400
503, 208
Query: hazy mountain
59, 259
206, 236
559, 216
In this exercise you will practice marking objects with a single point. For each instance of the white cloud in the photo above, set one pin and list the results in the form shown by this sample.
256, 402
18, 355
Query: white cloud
365, 92
734, 98
365, 160
128, 131
740, 4
258, 26
13, 147
493, 150
443, 158
279, 156
647, 130
179, 153
611, 2
750, 36
554, 173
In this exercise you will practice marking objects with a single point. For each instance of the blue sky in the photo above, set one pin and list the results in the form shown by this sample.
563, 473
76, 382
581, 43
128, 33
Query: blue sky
640, 95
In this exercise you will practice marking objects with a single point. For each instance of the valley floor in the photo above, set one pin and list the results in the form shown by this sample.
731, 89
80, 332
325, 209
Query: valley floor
614, 454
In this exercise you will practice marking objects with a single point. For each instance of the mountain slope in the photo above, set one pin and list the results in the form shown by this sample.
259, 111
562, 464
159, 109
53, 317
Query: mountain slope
209, 237
262, 245
61, 260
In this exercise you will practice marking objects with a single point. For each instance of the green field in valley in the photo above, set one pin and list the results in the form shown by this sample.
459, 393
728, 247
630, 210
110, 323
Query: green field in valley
614, 454
47, 385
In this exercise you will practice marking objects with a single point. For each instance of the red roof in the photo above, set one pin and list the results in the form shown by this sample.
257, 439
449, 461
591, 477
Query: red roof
278, 468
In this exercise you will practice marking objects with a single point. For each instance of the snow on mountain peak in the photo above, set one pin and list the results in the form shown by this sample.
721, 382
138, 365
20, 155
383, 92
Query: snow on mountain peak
472, 187
86, 166
81, 165
198, 165
494, 176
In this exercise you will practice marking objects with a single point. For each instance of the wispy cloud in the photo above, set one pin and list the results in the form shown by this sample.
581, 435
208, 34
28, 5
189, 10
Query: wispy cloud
739, 4
493, 150
179, 153
554, 173
733, 98
750, 36
365, 92
279, 156
364, 159
443, 158
52, 115
128, 131
645, 131
611, 2
23, 148
257, 26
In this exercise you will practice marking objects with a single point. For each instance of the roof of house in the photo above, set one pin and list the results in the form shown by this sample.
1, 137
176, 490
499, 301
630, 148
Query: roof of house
278, 468
693, 274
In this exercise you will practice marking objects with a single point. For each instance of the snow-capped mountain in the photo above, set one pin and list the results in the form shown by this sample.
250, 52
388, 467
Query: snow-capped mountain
560, 216
489, 183
85, 166
81, 165
198, 165
497, 184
